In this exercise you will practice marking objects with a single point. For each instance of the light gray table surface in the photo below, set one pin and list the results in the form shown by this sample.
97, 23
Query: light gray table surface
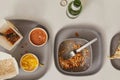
104, 14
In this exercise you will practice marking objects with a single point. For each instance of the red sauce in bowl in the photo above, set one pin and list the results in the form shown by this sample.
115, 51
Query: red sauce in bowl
38, 36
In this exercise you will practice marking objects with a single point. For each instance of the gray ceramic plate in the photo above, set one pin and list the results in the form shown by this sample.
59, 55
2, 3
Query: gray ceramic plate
43, 53
113, 47
84, 32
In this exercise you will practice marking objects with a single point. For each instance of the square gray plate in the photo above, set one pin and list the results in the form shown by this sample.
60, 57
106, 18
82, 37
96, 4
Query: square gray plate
43, 53
85, 32
114, 44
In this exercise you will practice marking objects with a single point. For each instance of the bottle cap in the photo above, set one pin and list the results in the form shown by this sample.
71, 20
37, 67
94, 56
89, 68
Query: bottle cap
77, 3
63, 3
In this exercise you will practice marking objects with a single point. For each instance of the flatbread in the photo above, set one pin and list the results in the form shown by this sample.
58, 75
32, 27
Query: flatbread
116, 54
8, 66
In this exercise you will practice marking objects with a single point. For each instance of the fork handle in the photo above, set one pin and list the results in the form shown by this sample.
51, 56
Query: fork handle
86, 45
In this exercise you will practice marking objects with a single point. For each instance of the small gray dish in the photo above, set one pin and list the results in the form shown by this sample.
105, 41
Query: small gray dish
68, 45
88, 33
114, 44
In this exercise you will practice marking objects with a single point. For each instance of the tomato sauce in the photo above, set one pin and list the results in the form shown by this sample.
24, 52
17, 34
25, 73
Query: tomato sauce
38, 37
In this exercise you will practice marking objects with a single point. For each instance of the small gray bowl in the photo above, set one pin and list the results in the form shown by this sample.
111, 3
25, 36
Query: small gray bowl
68, 45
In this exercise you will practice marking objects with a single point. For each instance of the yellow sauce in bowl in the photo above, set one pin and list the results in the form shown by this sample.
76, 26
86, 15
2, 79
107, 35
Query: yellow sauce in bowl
29, 62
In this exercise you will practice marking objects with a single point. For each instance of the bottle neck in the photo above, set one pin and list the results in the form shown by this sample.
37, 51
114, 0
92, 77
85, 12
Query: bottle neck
74, 7
77, 3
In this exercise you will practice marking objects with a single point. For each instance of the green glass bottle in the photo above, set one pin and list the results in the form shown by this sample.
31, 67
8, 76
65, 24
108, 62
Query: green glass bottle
74, 9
